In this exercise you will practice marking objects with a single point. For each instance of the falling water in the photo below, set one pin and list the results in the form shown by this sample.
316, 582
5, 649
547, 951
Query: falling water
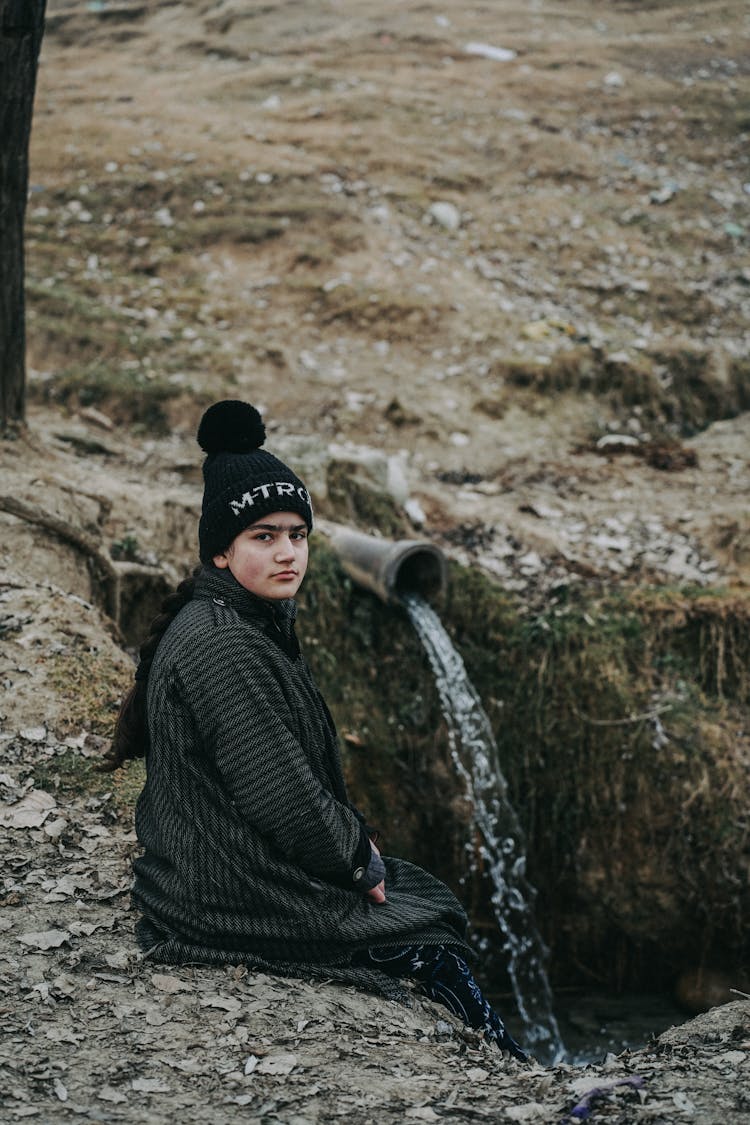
476, 759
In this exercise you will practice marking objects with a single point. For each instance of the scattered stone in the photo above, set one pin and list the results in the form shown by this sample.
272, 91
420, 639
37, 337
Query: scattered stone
617, 443
487, 51
444, 214
34, 734
97, 418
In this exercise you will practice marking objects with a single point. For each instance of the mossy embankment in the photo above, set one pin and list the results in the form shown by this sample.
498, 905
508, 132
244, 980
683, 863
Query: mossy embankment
621, 718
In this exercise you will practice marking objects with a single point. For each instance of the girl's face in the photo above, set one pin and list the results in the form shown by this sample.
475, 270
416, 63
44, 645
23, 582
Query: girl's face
269, 558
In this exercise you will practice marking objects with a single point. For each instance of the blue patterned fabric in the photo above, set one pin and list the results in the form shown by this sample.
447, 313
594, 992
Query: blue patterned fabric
445, 977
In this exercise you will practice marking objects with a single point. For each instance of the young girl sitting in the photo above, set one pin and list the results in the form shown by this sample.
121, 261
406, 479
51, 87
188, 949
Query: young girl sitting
252, 851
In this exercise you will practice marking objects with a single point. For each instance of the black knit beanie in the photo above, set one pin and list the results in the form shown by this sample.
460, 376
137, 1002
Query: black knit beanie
242, 482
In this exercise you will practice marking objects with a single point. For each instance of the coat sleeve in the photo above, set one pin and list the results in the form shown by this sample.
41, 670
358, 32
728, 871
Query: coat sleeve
269, 779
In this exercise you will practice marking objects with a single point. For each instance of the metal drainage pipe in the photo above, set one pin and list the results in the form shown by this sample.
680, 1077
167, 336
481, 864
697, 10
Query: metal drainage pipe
389, 567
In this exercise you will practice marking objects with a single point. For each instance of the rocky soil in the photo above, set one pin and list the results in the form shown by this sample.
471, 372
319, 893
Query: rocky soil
487, 262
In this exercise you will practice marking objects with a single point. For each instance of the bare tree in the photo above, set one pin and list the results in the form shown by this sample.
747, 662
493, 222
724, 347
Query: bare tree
21, 29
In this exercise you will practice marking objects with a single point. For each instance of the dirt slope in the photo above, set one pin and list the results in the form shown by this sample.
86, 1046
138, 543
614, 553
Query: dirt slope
479, 267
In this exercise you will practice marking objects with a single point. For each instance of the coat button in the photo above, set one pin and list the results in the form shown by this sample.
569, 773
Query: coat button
358, 874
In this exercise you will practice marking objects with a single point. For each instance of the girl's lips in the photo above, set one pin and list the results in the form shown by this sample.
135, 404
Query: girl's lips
286, 574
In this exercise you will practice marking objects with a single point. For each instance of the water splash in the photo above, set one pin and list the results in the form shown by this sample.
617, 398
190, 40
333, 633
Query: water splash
475, 756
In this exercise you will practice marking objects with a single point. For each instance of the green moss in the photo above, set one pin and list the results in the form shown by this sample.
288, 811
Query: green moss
126, 394
676, 388
363, 306
352, 499
90, 686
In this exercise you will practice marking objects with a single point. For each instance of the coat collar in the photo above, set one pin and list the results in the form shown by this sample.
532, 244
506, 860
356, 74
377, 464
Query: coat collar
221, 586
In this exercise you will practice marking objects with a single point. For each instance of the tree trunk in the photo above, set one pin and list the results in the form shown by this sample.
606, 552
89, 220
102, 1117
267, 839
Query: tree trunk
21, 28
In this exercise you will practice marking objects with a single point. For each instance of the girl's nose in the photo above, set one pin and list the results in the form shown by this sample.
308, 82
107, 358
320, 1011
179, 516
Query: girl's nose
285, 548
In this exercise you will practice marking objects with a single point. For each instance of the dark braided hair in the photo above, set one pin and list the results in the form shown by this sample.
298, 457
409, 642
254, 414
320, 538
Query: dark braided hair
130, 738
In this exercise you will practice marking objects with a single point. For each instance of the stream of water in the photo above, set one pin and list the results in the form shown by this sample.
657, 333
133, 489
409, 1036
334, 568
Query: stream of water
502, 851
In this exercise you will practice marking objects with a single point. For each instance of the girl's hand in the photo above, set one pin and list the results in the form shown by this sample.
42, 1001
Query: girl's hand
377, 894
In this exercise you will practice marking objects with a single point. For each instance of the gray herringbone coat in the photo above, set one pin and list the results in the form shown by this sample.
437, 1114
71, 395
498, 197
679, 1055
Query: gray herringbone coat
249, 839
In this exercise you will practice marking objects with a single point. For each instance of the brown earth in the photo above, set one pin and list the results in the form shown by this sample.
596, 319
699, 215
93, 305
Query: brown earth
551, 380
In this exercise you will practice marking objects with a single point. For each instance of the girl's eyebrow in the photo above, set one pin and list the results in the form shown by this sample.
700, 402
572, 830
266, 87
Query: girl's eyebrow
276, 527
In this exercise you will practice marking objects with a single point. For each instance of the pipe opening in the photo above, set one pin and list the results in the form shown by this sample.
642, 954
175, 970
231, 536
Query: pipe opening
420, 572
389, 568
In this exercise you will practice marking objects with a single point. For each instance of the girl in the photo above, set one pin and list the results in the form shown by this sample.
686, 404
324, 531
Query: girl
252, 851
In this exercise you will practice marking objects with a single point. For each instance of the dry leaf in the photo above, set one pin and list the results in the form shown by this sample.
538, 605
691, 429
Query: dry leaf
155, 1018
118, 960
529, 1111
50, 939
63, 1035
109, 1094
30, 812
476, 1074
60, 1090
65, 985
226, 1003
55, 828
422, 1113
283, 1063
150, 1086
83, 929
166, 983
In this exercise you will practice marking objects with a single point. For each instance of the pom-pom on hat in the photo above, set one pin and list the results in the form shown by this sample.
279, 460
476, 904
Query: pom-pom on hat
242, 482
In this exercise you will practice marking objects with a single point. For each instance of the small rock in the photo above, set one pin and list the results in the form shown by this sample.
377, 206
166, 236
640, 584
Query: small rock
444, 214
615, 440
415, 511
97, 417
487, 51
663, 194
33, 734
